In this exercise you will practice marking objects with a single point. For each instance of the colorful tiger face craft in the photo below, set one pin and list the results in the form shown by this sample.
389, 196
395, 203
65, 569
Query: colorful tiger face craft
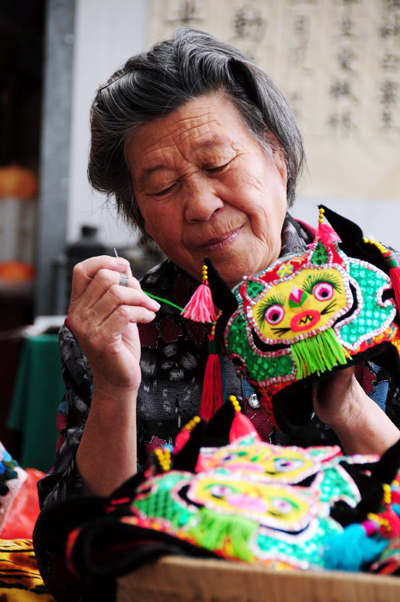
310, 300
270, 463
246, 500
313, 312
273, 465
310, 320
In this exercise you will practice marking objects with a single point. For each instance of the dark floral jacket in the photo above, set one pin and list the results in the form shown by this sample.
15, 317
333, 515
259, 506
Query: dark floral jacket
173, 361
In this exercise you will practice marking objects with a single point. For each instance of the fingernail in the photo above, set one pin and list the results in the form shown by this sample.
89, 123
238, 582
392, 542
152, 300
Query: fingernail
122, 262
155, 304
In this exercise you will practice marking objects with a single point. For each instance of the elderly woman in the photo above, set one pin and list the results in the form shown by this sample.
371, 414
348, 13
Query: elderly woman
202, 154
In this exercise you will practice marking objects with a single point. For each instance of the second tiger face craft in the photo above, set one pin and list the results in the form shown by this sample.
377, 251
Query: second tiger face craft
222, 492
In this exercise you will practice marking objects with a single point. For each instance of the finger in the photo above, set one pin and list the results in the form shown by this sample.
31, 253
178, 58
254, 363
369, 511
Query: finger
116, 322
85, 271
99, 285
119, 295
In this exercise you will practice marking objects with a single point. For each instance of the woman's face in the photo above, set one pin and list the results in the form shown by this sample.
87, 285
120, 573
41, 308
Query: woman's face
206, 188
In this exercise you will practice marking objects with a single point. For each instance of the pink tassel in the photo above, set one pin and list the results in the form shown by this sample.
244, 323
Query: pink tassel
241, 425
370, 527
327, 235
181, 439
184, 434
201, 307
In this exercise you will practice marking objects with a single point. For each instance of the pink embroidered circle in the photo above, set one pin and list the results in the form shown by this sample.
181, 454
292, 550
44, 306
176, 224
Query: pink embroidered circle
274, 314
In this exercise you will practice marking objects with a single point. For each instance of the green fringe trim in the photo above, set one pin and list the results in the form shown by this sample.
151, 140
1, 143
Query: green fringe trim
219, 532
319, 354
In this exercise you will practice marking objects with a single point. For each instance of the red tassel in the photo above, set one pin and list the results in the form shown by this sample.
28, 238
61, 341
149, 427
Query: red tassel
266, 402
241, 425
394, 269
391, 525
396, 497
213, 395
394, 273
393, 265
201, 307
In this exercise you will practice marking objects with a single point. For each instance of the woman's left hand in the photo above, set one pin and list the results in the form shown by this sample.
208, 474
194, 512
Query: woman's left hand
361, 425
336, 397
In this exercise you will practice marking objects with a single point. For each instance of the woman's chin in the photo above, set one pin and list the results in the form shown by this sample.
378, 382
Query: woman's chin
232, 277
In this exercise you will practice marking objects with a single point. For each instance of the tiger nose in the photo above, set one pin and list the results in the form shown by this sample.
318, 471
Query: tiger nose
297, 297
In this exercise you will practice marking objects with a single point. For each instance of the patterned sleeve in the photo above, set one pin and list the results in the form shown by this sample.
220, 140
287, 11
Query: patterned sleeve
64, 478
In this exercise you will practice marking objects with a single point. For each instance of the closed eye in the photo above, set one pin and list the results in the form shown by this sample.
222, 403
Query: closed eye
216, 169
163, 192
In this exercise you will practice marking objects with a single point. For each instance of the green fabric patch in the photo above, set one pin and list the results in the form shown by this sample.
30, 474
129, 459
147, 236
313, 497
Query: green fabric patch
258, 368
254, 288
320, 255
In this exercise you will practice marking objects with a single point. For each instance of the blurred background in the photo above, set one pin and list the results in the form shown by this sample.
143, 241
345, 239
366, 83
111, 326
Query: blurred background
337, 62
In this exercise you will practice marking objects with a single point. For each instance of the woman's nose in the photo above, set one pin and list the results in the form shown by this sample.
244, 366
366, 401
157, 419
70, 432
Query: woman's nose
201, 202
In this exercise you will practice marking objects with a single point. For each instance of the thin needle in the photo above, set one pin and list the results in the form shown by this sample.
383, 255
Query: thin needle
153, 296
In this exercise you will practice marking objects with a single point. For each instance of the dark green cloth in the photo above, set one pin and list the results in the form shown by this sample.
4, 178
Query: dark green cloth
36, 398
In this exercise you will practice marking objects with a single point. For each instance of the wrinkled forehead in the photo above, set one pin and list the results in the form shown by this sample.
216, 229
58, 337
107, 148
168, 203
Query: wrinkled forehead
203, 123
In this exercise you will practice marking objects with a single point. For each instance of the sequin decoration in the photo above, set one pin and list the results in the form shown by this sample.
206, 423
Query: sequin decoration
374, 315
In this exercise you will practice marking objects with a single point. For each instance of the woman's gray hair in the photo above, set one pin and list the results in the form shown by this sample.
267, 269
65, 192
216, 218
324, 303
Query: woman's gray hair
156, 83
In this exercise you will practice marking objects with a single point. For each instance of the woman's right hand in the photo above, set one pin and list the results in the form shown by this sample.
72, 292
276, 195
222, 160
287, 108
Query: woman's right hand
103, 316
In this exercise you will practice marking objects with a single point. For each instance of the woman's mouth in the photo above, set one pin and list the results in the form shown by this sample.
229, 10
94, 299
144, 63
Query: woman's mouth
217, 244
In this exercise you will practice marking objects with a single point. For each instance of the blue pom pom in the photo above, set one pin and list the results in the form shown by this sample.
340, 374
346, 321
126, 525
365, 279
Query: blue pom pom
396, 508
352, 548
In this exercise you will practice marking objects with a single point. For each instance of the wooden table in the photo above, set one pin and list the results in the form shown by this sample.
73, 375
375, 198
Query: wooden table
174, 579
